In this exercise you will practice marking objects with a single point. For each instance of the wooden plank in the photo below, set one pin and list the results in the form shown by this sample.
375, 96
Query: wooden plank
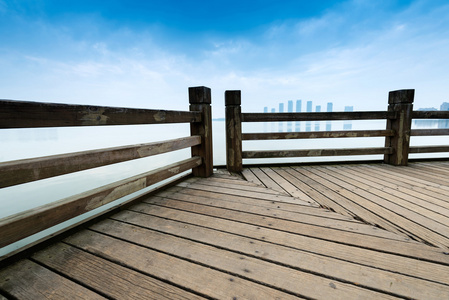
28, 280
401, 189
407, 175
201, 279
409, 221
377, 252
249, 188
24, 224
316, 152
315, 134
235, 180
319, 265
429, 149
317, 116
182, 200
110, 279
329, 234
257, 195
420, 177
429, 132
431, 209
267, 180
286, 185
309, 210
280, 246
307, 186
345, 199
418, 114
23, 114
249, 175
26, 170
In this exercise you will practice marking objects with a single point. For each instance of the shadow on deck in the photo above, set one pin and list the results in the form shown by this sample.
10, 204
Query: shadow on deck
229, 238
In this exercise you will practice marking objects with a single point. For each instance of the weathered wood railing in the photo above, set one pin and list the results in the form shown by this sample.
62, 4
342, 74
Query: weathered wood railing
20, 114
397, 134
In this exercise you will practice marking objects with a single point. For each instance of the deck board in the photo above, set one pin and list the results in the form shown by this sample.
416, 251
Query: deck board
227, 238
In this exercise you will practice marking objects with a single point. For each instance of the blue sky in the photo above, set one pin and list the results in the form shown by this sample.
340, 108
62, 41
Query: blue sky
147, 53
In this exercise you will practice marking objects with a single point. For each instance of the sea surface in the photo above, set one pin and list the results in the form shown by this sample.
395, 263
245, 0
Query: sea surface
27, 143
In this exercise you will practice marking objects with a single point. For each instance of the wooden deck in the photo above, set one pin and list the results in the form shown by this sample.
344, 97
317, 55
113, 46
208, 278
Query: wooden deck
262, 238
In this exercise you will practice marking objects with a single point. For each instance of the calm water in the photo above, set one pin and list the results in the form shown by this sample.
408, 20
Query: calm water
27, 143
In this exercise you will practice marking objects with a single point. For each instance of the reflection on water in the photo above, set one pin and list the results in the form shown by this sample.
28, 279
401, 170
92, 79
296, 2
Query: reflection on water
431, 123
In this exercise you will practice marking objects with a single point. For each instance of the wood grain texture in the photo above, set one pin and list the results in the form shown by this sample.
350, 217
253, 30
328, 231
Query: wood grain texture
24, 224
317, 116
28, 280
112, 280
23, 114
316, 134
26, 170
316, 152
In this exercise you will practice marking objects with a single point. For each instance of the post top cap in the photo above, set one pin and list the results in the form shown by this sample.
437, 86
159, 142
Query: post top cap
199, 95
233, 97
401, 96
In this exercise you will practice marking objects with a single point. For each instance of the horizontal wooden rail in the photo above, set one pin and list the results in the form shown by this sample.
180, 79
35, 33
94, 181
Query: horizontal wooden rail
316, 134
429, 149
19, 226
317, 116
418, 114
429, 132
316, 152
22, 114
26, 170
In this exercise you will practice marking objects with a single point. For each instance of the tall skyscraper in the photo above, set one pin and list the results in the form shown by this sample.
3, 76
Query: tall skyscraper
309, 109
330, 107
281, 107
348, 124
298, 106
281, 110
317, 123
273, 110
265, 109
309, 106
298, 109
444, 106
290, 106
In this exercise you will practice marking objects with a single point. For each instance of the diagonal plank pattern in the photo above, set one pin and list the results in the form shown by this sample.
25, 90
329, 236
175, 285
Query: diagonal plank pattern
410, 200
227, 238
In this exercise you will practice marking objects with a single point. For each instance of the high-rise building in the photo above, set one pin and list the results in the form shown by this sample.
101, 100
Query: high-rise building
444, 106
298, 105
265, 109
318, 108
309, 106
330, 107
290, 106
348, 125
273, 110
281, 107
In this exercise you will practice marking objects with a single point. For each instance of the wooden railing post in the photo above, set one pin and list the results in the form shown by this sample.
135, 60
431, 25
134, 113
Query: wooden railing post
200, 100
233, 131
401, 102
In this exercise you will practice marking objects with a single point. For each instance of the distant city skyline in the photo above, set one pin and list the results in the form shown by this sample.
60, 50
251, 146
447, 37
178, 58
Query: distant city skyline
298, 107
